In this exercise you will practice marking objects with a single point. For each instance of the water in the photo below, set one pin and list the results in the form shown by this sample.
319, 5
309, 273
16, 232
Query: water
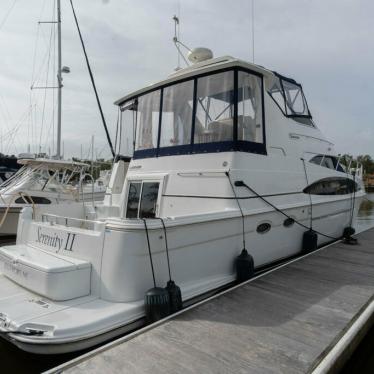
12, 360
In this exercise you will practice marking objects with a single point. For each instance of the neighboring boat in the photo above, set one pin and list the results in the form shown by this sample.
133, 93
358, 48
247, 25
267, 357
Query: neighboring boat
8, 166
43, 183
52, 186
226, 155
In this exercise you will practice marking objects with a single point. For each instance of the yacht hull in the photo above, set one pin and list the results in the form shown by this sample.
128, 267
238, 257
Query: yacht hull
202, 258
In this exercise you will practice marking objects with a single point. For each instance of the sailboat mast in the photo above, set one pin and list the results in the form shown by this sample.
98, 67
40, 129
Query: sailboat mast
59, 80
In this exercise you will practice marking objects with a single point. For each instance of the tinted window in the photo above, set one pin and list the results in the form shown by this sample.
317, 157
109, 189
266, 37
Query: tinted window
133, 200
149, 200
332, 186
263, 228
32, 199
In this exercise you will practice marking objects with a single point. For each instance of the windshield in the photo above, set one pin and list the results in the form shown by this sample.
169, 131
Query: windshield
41, 178
290, 98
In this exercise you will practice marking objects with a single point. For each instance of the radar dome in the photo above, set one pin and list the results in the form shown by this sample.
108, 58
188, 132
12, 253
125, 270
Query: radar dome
199, 54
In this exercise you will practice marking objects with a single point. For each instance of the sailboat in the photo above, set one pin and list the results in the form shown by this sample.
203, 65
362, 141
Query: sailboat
8, 166
47, 185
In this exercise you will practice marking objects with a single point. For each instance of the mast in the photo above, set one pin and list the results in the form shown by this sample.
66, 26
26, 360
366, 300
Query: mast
59, 80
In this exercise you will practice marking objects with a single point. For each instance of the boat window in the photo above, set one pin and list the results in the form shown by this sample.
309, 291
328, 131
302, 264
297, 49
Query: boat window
289, 97
32, 200
133, 200
125, 134
276, 92
214, 108
142, 199
329, 162
250, 127
196, 113
148, 201
332, 186
176, 122
295, 100
147, 120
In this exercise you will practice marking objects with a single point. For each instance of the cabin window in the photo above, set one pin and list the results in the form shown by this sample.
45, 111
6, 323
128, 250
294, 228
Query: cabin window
263, 228
329, 162
147, 120
332, 186
177, 107
215, 108
250, 127
142, 199
148, 203
32, 200
133, 200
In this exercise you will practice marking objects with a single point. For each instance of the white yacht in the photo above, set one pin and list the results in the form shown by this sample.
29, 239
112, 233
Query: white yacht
226, 157
49, 186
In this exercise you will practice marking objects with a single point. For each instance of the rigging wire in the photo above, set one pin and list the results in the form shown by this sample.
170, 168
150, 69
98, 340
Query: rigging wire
92, 81
6, 116
7, 14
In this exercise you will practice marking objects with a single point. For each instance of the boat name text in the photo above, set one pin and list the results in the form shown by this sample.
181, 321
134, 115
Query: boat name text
56, 241
10, 268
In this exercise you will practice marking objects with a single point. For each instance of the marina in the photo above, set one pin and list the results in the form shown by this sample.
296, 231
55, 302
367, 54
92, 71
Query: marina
218, 220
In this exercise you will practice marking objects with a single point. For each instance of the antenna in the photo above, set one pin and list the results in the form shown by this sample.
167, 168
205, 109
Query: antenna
177, 36
253, 31
177, 42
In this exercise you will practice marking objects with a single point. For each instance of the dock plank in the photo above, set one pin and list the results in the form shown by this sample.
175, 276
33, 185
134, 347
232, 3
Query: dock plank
283, 322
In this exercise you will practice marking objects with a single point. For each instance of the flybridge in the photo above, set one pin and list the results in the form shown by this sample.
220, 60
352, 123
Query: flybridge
214, 106
221, 110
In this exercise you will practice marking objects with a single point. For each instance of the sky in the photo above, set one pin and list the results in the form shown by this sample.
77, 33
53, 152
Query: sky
326, 45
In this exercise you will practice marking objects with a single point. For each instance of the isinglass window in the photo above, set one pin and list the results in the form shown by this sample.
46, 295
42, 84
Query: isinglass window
250, 126
215, 108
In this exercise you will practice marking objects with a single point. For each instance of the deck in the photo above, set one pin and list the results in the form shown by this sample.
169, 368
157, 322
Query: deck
304, 317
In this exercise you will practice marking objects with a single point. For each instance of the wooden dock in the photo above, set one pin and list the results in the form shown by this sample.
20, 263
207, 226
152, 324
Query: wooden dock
304, 317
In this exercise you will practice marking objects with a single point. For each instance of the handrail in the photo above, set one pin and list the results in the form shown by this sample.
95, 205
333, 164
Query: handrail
45, 217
